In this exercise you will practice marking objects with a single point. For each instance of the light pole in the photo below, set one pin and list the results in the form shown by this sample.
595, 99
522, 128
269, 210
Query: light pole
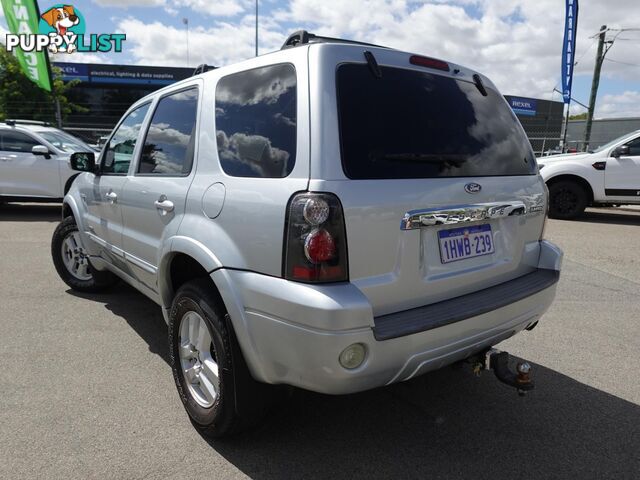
186, 22
604, 46
256, 28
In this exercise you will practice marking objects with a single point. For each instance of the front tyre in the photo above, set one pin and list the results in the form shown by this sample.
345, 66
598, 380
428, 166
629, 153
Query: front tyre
72, 261
567, 200
208, 368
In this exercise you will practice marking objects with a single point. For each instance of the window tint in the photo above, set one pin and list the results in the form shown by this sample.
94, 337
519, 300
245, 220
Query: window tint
413, 124
256, 122
168, 147
17, 142
118, 154
634, 147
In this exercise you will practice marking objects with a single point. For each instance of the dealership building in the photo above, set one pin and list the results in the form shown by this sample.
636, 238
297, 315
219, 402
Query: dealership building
106, 91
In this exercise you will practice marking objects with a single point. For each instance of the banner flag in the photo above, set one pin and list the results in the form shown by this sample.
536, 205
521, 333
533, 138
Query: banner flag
23, 19
569, 48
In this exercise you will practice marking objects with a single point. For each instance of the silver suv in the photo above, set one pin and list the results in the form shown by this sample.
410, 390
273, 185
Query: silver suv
334, 216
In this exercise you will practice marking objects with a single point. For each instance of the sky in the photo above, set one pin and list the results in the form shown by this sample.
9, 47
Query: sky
515, 43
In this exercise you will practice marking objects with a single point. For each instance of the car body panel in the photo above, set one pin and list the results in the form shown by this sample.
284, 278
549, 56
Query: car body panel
233, 227
398, 269
34, 177
619, 174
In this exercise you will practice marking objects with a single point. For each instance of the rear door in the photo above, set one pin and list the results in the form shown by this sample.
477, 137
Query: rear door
154, 197
436, 177
24, 174
622, 175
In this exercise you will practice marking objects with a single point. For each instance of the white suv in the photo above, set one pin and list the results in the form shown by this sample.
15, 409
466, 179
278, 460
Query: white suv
334, 216
34, 161
609, 175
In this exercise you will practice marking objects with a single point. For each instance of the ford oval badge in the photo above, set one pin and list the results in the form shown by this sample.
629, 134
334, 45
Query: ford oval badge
472, 188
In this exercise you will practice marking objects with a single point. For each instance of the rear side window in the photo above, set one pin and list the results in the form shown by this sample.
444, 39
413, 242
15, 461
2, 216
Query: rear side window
17, 142
412, 124
168, 147
256, 122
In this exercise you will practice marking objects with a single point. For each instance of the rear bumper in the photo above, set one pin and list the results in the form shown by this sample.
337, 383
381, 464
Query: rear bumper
460, 308
293, 333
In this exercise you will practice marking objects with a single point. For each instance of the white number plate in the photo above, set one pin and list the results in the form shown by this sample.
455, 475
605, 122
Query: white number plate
466, 242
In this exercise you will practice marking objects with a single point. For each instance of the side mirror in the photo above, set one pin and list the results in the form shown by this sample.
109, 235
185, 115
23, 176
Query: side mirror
83, 161
41, 150
621, 151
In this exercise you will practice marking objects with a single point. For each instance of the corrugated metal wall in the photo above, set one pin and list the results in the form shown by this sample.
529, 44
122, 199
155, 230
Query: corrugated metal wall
602, 131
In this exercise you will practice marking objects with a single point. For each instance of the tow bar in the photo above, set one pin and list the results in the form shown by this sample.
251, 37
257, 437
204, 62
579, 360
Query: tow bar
498, 361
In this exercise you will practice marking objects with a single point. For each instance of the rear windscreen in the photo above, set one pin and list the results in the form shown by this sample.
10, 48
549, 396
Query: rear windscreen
411, 124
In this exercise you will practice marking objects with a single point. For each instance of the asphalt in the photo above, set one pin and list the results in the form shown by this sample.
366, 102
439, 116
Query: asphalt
86, 391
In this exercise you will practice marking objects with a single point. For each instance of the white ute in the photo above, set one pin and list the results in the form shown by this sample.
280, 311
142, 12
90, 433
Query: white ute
609, 175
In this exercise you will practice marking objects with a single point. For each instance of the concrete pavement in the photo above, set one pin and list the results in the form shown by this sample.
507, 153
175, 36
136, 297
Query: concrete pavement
86, 392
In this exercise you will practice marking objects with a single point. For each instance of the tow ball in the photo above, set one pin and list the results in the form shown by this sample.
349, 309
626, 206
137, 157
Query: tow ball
498, 361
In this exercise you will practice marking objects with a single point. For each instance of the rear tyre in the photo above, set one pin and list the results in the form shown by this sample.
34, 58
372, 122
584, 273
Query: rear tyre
567, 200
213, 381
72, 261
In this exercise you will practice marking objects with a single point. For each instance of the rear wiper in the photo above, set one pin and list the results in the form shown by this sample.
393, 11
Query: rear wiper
373, 64
420, 157
479, 85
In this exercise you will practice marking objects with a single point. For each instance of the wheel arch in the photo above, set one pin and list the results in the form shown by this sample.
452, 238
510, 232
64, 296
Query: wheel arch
68, 183
573, 178
67, 211
70, 209
185, 259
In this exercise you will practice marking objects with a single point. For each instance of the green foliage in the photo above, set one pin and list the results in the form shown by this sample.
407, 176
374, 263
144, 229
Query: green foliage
21, 98
582, 116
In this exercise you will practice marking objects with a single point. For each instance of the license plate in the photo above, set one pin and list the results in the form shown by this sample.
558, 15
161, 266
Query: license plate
466, 242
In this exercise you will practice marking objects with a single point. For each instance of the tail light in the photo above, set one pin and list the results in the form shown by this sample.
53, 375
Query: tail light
315, 244
429, 62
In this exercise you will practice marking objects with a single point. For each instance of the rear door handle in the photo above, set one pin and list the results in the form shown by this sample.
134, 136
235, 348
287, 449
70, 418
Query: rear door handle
164, 205
112, 197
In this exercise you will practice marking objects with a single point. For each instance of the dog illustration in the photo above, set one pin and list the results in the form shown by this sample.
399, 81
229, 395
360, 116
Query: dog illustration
61, 19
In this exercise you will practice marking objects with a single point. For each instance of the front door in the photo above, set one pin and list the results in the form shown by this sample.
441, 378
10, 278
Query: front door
24, 174
622, 175
104, 197
155, 196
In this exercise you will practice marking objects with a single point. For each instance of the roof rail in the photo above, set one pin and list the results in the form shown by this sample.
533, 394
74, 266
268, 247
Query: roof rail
302, 37
203, 67
14, 121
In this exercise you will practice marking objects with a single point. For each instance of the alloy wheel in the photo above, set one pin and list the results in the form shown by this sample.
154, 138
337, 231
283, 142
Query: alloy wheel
197, 360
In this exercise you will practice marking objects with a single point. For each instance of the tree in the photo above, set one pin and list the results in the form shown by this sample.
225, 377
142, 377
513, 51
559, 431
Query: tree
581, 116
21, 98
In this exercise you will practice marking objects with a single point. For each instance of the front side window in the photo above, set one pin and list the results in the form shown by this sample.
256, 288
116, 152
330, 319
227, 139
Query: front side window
119, 152
414, 124
256, 122
17, 142
168, 147
634, 147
